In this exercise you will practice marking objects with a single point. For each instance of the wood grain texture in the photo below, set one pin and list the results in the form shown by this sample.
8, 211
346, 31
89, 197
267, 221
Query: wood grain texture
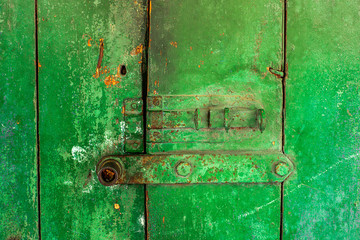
322, 120
18, 200
82, 46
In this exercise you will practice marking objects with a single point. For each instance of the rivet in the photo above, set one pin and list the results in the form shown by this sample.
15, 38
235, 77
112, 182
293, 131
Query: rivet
281, 169
183, 169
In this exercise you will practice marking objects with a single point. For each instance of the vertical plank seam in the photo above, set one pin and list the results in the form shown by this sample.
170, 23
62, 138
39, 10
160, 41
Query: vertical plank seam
284, 70
145, 82
37, 114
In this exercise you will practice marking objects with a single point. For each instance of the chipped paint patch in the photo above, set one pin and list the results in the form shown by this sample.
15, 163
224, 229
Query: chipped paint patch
78, 154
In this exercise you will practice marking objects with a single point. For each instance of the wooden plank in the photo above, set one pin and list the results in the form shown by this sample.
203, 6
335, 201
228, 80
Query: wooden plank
82, 46
219, 211
18, 201
322, 120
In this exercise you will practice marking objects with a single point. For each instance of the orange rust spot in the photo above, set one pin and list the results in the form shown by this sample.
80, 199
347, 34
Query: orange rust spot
211, 52
89, 42
163, 219
137, 50
39, 65
174, 44
116, 206
155, 92
139, 62
149, 7
123, 109
190, 48
110, 80
199, 66
348, 112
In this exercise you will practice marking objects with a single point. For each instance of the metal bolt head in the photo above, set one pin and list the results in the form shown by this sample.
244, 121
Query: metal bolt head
183, 169
281, 169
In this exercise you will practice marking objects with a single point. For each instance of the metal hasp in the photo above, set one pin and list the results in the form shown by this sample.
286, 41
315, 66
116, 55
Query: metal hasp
201, 118
267, 167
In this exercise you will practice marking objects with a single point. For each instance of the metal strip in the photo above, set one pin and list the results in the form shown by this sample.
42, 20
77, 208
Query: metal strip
261, 167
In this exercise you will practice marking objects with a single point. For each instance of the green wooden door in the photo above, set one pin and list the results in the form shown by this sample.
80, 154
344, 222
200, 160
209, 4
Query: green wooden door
207, 120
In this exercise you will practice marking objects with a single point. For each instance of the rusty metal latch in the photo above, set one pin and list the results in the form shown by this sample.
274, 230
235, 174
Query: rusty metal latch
262, 167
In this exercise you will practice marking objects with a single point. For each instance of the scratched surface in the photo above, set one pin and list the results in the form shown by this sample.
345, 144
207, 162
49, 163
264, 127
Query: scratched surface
322, 120
18, 199
234, 211
222, 49
82, 46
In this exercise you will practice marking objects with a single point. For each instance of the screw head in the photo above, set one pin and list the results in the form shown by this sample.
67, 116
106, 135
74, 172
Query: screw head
183, 169
281, 169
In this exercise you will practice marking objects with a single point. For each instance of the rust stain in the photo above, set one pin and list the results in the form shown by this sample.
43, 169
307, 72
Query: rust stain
89, 40
270, 69
39, 65
348, 112
101, 55
110, 80
149, 6
116, 206
137, 50
191, 48
174, 44
163, 219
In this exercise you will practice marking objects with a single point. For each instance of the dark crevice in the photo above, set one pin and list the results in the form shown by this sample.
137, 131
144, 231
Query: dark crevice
37, 116
284, 70
145, 82
282, 211
146, 212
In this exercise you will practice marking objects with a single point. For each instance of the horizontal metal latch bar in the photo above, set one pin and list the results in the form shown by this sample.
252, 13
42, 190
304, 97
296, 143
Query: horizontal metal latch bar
194, 168
207, 118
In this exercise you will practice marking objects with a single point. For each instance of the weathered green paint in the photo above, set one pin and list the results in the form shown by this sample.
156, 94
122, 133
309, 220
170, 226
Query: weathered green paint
213, 68
18, 200
263, 167
218, 211
321, 201
204, 51
81, 117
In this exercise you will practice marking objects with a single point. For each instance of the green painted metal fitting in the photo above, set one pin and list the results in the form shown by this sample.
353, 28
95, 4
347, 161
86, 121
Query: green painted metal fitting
109, 171
281, 169
183, 169
261, 119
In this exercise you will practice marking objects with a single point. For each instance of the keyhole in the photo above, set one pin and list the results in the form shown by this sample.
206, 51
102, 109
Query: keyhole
123, 70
